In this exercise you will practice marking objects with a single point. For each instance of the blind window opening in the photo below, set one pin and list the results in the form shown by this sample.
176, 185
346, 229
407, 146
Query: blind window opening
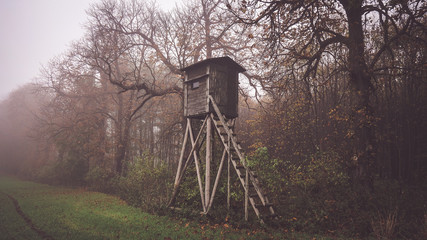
195, 85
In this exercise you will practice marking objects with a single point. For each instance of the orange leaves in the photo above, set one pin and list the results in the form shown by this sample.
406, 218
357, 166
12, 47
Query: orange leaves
337, 115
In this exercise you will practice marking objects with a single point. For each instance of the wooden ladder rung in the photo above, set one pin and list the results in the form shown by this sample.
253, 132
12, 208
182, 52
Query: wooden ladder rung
225, 134
253, 195
240, 166
243, 175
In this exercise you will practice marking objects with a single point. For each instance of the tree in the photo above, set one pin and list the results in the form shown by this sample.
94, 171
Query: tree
138, 48
129, 58
302, 35
21, 148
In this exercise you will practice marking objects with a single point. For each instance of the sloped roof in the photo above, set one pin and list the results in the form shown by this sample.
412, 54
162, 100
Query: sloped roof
220, 60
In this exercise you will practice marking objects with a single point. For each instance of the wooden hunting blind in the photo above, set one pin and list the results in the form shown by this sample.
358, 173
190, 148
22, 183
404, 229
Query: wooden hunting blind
217, 77
211, 96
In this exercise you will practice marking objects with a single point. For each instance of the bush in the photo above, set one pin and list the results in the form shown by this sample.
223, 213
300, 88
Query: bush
315, 195
68, 171
102, 180
308, 195
146, 186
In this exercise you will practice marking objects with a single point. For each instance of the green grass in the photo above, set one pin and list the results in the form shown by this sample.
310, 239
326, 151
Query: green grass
12, 226
67, 213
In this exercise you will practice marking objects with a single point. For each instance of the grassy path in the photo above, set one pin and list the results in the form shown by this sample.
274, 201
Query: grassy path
35, 211
66, 213
27, 220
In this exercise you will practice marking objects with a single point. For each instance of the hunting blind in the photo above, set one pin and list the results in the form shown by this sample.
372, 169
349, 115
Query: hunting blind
217, 77
211, 96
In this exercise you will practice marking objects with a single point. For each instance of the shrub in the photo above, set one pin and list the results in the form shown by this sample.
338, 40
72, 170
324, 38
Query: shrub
146, 185
315, 195
309, 195
384, 226
70, 170
102, 180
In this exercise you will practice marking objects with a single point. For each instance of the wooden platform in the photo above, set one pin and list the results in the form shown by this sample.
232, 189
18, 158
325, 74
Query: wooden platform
235, 157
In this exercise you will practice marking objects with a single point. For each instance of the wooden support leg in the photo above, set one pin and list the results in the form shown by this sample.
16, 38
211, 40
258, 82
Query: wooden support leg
246, 193
208, 159
178, 172
217, 179
228, 174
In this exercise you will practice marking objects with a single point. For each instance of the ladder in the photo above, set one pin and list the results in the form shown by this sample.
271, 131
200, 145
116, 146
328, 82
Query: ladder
262, 207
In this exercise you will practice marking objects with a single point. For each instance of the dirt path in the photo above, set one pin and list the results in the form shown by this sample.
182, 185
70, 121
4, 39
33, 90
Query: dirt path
40, 232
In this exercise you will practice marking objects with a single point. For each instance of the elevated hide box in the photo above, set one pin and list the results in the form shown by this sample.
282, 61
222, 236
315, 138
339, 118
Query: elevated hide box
218, 77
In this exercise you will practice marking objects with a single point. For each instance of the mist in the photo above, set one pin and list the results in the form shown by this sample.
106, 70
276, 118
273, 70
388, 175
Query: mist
330, 120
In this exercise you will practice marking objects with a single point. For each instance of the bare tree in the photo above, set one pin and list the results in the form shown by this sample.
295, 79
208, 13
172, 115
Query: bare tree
302, 34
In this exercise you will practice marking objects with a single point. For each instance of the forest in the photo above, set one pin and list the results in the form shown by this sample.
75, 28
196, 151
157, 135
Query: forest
332, 110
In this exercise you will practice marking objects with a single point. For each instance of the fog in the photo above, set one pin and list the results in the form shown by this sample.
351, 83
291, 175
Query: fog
33, 32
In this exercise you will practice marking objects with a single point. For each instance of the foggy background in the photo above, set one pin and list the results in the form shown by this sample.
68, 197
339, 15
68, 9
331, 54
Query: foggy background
33, 32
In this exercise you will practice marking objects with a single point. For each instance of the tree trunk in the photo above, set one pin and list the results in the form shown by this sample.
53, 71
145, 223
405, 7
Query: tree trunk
363, 156
206, 18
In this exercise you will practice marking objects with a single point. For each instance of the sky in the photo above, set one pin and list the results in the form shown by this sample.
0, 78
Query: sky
34, 31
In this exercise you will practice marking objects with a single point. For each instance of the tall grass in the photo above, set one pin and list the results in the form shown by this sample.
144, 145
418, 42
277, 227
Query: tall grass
384, 225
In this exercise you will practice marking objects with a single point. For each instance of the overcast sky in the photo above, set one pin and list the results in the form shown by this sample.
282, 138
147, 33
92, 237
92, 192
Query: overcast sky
34, 31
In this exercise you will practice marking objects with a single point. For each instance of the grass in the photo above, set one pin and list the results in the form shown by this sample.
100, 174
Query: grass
12, 226
67, 213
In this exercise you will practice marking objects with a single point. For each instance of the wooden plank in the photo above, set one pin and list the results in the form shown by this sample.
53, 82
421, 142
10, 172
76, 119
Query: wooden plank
185, 97
178, 172
181, 157
208, 159
196, 98
208, 86
246, 193
228, 175
272, 212
263, 205
240, 166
